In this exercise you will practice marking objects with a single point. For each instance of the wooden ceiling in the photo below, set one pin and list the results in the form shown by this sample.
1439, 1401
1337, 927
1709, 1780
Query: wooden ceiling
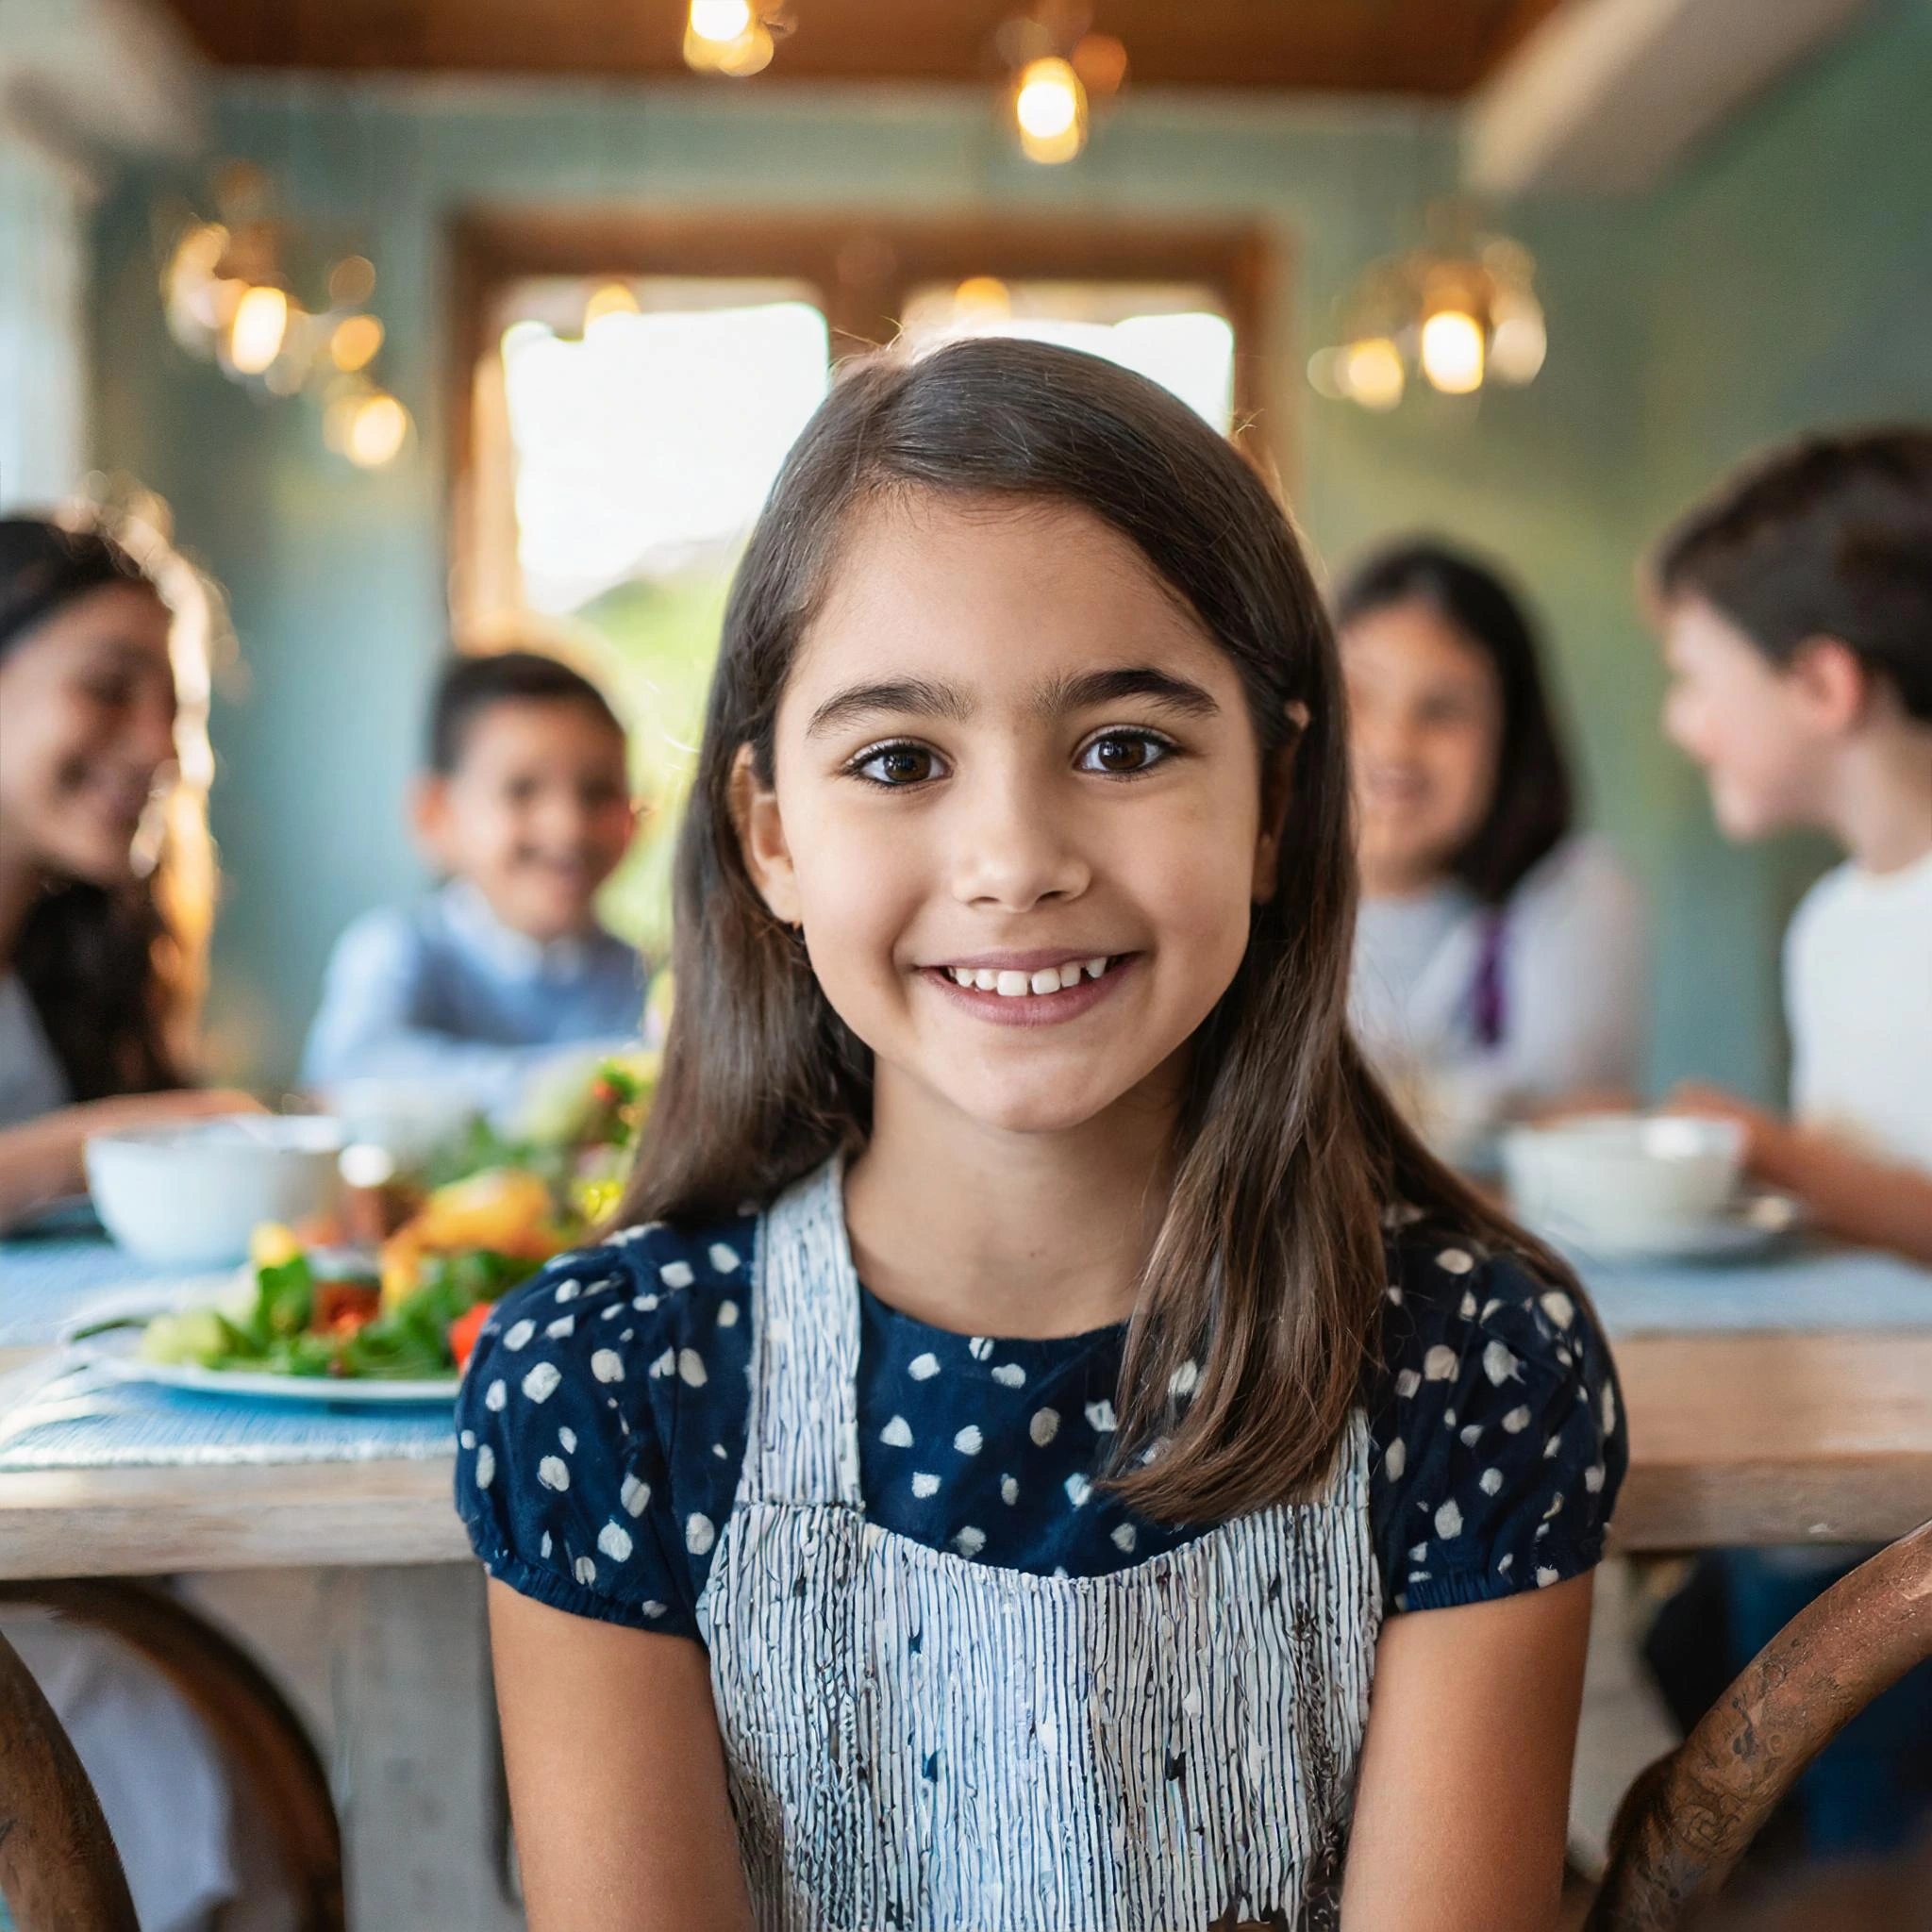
1439, 47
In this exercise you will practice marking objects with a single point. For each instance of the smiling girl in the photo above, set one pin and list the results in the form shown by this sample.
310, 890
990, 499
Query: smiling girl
88, 968
1500, 958
1047, 1447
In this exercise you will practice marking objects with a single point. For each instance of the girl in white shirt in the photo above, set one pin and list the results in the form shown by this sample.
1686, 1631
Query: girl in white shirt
1500, 959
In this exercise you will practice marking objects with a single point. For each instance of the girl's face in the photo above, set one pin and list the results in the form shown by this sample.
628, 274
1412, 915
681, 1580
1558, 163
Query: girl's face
1424, 727
87, 732
1017, 810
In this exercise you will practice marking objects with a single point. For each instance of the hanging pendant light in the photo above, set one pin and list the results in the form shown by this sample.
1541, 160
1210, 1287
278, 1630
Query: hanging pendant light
1056, 69
1458, 316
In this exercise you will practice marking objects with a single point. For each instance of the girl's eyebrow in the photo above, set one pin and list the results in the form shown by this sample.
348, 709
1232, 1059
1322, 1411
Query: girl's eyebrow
1057, 698
1064, 695
920, 696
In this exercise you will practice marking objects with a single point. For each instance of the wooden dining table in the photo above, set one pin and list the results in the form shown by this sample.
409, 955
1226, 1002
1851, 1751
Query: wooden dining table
1782, 1399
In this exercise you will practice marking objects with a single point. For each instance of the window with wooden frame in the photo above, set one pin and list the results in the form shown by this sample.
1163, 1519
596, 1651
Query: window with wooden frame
630, 384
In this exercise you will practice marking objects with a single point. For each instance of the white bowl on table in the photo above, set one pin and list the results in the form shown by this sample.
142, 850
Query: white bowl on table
1624, 1181
189, 1195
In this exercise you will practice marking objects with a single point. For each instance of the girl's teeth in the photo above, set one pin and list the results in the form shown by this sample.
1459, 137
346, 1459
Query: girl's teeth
1013, 985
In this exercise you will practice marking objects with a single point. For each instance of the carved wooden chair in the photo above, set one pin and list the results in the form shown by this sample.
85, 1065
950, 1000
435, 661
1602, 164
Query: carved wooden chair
1688, 1819
58, 1869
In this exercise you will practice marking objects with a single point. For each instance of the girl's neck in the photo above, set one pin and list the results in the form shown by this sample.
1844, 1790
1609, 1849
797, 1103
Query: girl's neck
984, 1232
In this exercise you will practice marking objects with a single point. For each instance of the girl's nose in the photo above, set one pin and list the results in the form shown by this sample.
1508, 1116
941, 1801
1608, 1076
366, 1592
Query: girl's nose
1012, 848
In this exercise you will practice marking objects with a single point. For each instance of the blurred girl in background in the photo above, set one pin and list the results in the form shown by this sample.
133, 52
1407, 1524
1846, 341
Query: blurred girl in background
93, 981
1500, 958
93, 999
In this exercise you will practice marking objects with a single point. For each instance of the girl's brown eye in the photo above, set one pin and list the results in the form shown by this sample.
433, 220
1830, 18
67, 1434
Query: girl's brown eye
898, 765
1124, 754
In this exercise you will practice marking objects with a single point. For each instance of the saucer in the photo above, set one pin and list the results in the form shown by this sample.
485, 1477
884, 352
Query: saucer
1755, 1224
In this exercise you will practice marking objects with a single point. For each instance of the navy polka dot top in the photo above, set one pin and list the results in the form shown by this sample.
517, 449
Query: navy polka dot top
602, 1424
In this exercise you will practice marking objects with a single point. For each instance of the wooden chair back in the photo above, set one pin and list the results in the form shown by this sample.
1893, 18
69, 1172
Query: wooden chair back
58, 1869
1687, 1821
260, 1736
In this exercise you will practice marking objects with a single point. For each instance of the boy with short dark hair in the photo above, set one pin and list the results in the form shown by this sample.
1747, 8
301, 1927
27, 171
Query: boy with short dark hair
1796, 605
525, 809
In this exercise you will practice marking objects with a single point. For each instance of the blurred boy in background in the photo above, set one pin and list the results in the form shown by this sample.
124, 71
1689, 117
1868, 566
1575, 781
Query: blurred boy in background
1797, 616
469, 996
1796, 607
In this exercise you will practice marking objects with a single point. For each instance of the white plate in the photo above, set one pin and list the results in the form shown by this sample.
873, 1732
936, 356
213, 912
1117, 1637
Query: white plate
1755, 1225
113, 1353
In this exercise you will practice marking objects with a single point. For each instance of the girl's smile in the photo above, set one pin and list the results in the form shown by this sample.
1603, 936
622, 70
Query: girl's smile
1037, 989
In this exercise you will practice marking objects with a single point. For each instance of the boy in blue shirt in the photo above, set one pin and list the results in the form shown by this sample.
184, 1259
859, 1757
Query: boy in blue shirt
526, 810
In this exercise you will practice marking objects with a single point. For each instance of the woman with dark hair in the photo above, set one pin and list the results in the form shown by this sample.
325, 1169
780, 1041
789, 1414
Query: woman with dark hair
89, 969
90, 973
1500, 959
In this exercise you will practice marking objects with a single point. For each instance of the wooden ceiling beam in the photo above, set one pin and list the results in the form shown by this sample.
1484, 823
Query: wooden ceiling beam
1427, 47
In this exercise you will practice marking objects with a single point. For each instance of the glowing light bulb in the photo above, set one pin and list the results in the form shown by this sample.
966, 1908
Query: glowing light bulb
720, 21
355, 340
377, 431
1050, 108
1371, 372
613, 298
1452, 352
255, 336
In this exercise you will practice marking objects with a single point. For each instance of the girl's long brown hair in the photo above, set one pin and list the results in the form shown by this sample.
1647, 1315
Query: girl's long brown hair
1267, 1271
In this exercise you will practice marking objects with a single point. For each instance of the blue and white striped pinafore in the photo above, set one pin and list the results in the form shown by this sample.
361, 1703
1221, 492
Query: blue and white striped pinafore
914, 1740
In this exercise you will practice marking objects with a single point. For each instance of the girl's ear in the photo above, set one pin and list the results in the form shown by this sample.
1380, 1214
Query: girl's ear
761, 838
1276, 785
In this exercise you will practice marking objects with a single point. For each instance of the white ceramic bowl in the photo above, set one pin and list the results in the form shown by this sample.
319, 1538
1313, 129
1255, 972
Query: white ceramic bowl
189, 1196
1622, 1177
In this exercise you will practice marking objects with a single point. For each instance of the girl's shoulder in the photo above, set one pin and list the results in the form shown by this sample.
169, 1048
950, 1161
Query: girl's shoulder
602, 1422
1497, 1437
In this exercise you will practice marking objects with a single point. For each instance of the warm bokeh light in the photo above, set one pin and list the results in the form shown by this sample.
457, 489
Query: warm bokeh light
1371, 374
751, 53
720, 21
352, 281
255, 336
979, 297
1050, 109
613, 298
355, 343
377, 431
1452, 352
1519, 341
1101, 61
726, 36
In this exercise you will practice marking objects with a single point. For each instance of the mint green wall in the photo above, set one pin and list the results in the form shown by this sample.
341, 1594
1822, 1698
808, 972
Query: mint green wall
336, 577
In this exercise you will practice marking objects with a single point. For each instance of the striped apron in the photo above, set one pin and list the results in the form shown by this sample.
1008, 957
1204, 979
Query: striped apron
914, 1740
